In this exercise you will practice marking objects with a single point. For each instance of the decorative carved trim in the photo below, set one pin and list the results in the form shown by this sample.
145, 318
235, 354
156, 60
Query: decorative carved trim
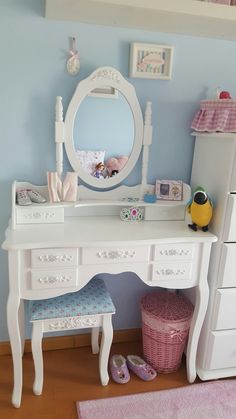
116, 254
107, 74
169, 271
39, 215
174, 252
55, 258
73, 323
54, 279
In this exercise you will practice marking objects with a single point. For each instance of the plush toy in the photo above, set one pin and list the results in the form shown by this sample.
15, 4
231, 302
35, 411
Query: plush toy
200, 208
116, 163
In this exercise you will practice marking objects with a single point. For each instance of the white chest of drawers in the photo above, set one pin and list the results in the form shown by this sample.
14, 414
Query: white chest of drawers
214, 167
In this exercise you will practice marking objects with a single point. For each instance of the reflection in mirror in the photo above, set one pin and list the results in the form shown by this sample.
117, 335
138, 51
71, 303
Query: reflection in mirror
103, 135
113, 125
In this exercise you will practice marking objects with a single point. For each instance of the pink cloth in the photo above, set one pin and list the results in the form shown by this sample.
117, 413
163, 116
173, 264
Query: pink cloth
216, 115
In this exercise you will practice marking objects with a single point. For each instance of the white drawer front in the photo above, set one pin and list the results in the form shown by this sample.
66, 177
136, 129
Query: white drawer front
225, 306
173, 251
222, 350
56, 278
169, 271
115, 255
229, 233
227, 269
39, 215
44, 258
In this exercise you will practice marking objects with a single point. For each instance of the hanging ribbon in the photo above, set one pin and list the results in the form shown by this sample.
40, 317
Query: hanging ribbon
73, 63
73, 52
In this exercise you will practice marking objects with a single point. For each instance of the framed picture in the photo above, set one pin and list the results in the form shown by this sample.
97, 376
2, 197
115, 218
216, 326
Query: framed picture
151, 61
171, 190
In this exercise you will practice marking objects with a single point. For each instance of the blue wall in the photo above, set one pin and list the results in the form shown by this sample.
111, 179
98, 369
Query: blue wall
33, 57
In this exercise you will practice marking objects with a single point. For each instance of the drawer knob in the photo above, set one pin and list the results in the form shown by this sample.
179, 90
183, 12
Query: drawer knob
170, 271
116, 254
174, 252
54, 279
37, 215
55, 258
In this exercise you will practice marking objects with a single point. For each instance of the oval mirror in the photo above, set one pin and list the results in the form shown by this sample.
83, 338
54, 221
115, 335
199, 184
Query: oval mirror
104, 129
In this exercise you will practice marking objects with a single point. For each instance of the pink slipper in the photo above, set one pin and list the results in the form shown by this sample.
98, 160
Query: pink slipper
119, 370
141, 368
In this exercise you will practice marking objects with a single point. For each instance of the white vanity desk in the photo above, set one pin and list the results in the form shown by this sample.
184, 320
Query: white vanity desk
46, 261
53, 250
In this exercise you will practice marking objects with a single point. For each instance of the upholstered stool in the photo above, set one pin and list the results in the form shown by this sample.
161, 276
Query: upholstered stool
91, 307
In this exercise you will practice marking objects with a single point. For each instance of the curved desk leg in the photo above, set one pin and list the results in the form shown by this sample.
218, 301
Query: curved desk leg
107, 336
13, 306
21, 316
201, 302
16, 347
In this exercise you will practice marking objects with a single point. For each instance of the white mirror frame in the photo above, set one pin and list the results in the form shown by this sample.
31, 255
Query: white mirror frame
102, 77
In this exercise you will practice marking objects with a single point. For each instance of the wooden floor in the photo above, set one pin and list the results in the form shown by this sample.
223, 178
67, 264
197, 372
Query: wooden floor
70, 375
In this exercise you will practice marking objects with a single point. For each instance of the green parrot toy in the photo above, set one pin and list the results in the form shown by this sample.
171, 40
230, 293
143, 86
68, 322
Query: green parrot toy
200, 208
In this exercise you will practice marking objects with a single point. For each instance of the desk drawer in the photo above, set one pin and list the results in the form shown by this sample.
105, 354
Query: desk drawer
44, 258
56, 278
115, 254
34, 214
173, 251
172, 270
227, 269
221, 350
225, 306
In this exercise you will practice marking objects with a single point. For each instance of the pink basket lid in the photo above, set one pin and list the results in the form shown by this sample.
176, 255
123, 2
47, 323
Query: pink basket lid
167, 306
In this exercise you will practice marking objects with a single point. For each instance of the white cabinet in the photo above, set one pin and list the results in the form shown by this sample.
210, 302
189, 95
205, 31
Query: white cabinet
190, 17
214, 167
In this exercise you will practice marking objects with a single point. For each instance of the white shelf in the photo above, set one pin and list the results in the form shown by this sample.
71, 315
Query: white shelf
190, 17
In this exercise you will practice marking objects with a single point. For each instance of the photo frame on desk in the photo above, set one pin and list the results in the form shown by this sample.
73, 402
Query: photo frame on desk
170, 190
151, 61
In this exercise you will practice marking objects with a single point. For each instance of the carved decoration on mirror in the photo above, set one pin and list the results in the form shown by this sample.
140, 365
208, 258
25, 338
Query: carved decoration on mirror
107, 74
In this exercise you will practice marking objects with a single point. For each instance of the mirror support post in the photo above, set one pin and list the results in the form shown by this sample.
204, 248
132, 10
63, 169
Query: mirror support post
59, 135
147, 141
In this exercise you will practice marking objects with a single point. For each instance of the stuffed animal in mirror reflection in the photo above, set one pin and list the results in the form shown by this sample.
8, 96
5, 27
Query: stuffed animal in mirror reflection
200, 208
114, 165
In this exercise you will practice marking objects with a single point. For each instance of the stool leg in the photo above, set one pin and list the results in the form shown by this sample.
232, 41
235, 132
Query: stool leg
94, 340
37, 335
107, 336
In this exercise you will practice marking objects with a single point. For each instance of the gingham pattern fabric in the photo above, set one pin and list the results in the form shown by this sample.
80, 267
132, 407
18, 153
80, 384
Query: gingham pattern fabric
92, 299
217, 115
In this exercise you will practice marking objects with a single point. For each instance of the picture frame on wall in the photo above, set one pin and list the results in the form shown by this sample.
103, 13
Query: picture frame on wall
151, 61
170, 190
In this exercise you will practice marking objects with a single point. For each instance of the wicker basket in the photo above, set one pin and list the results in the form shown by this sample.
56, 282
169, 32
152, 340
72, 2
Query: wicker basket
166, 320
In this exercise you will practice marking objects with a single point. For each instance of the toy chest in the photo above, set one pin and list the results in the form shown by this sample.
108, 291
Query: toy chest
166, 319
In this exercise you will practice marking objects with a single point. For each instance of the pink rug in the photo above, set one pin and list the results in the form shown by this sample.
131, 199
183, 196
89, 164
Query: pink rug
212, 400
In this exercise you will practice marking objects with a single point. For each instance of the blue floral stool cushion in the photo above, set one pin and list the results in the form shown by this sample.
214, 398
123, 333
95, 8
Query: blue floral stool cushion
92, 299
91, 307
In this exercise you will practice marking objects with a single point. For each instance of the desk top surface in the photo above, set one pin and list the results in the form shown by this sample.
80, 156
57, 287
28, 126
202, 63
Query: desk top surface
100, 231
